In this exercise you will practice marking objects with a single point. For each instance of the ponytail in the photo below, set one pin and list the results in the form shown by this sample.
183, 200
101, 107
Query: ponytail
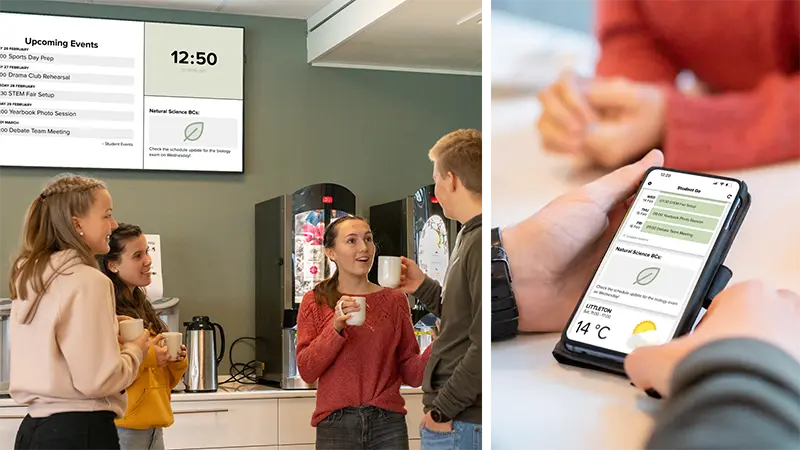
326, 292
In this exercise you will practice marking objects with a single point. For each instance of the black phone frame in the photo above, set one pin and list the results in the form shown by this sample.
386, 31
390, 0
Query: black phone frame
713, 278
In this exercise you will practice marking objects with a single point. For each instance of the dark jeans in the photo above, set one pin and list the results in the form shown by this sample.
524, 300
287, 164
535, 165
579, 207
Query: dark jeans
70, 430
364, 427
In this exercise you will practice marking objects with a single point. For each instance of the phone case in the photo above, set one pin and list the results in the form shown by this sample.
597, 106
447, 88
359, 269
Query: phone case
709, 285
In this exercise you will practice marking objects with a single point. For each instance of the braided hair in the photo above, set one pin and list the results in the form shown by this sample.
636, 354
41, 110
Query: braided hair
130, 301
49, 229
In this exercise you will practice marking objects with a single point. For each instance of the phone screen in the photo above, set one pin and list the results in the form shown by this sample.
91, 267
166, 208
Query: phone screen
646, 278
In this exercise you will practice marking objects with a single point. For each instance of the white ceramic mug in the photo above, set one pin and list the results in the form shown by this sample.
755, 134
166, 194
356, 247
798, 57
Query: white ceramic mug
389, 269
356, 318
173, 342
130, 329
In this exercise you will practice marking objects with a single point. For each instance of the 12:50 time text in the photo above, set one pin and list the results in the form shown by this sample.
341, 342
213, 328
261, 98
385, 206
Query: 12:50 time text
199, 58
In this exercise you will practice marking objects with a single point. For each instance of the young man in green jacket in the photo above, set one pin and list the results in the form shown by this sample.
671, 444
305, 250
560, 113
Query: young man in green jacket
452, 381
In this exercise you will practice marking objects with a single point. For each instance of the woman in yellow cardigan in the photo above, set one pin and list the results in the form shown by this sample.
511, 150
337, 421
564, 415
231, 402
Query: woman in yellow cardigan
127, 264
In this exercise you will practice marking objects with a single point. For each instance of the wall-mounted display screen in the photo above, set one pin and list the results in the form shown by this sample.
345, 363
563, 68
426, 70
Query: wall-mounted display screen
118, 94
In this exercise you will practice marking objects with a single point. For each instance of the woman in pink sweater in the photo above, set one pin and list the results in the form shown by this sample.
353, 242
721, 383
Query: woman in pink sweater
66, 361
743, 111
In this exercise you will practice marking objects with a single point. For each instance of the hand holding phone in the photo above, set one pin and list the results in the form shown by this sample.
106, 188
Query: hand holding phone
553, 254
651, 282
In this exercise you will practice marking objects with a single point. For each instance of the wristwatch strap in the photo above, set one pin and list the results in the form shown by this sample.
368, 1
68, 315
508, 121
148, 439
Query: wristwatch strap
504, 306
438, 417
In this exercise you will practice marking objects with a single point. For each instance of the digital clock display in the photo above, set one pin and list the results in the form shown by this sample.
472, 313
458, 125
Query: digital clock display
200, 58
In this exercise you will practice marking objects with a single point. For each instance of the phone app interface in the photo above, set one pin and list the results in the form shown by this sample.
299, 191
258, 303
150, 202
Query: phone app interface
644, 282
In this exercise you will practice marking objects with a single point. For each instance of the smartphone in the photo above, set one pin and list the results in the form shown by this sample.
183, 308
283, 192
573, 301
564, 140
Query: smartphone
650, 285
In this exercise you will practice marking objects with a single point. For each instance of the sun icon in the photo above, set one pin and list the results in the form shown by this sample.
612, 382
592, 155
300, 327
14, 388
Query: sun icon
644, 327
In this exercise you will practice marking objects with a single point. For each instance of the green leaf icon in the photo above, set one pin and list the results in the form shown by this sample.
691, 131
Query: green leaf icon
646, 276
193, 131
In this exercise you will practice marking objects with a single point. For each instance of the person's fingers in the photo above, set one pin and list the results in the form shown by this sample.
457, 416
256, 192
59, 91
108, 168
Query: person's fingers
556, 110
613, 188
741, 290
642, 364
608, 142
556, 140
570, 92
651, 367
611, 93
629, 201
789, 295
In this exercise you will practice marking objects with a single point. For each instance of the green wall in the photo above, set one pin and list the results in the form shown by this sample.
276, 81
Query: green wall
368, 130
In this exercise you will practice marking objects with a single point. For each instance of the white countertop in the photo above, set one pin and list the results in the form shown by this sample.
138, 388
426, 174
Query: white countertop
249, 392
534, 399
235, 391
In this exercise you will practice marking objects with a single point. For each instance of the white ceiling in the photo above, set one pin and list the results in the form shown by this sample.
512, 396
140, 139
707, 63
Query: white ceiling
291, 9
421, 35
441, 36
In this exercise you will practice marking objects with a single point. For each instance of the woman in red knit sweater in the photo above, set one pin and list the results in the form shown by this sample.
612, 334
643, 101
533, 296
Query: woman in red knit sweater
744, 112
359, 368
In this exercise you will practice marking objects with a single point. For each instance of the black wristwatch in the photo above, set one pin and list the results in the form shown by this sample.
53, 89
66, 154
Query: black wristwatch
504, 306
438, 417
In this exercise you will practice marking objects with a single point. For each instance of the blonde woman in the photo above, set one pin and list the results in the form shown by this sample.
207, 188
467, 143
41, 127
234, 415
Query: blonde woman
66, 362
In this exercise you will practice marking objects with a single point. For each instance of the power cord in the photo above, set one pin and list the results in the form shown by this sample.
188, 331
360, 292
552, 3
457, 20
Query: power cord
242, 373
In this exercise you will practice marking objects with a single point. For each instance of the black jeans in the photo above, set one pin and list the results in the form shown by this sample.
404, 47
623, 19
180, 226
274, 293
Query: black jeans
364, 427
70, 430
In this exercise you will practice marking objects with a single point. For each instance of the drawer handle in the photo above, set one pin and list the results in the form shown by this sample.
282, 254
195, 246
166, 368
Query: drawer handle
13, 417
201, 411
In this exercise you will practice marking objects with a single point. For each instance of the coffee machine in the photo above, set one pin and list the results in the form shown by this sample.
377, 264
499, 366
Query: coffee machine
165, 307
168, 312
290, 261
415, 227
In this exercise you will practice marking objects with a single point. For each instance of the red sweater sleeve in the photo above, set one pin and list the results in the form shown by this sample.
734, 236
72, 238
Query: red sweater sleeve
734, 130
410, 363
317, 347
628, 47
727, 131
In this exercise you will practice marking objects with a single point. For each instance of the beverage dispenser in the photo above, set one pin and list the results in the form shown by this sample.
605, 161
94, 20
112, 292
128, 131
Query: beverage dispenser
415, 227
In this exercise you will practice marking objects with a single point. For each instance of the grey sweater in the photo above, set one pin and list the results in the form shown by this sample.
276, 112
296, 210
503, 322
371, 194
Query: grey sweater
732, 394
452, 380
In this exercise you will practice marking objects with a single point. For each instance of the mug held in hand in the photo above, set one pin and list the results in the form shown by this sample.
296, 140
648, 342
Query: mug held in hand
172, 341
389, 269
131, 329
356, 318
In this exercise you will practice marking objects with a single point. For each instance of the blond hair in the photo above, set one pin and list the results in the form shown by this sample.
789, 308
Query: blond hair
459, 152
49, 228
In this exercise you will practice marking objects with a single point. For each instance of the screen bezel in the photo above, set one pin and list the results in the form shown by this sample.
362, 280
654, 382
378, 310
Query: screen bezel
695, 301
171, 171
